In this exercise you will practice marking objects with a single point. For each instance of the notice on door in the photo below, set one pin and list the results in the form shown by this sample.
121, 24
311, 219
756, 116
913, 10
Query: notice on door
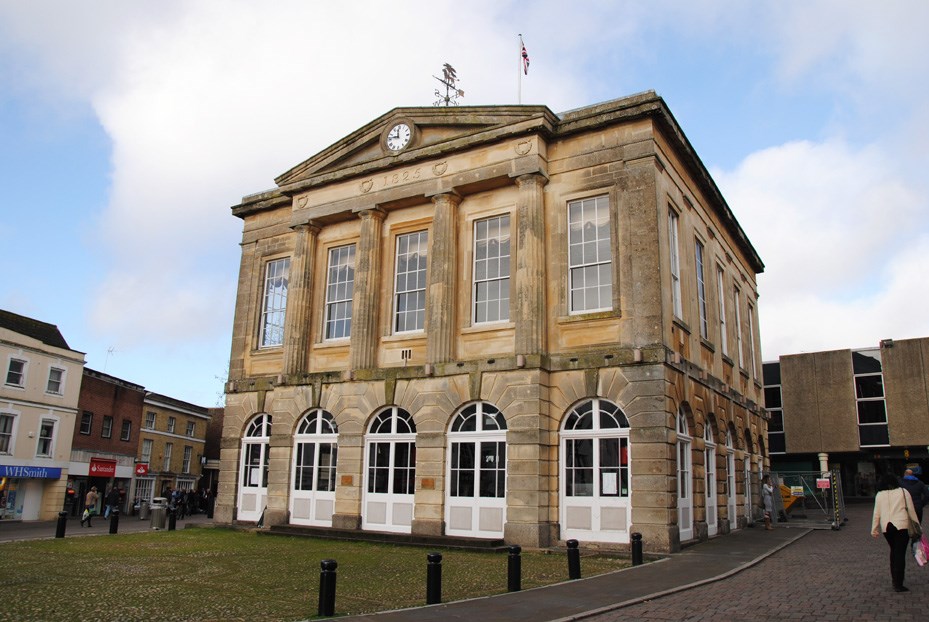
609, 484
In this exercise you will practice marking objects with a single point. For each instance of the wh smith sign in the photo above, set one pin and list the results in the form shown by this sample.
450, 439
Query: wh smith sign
29, 471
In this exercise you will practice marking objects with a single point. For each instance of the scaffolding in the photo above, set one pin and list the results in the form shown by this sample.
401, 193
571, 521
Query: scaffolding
810, 498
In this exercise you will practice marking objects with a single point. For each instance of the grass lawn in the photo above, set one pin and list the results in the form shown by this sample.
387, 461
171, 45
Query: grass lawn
224, 575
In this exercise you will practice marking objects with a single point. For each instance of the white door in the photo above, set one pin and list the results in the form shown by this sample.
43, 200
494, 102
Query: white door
685, 503
730, 482
475, 504
595, 489
312, 494
253, 475
712, 515
747, 485
390, 467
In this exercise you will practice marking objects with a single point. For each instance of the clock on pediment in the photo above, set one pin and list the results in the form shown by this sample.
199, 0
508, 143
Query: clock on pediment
398, 135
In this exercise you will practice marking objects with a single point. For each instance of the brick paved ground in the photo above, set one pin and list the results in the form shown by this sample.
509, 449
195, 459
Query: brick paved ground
826, 575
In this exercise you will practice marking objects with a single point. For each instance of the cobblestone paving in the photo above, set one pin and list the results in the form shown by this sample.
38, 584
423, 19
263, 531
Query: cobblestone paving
826, 575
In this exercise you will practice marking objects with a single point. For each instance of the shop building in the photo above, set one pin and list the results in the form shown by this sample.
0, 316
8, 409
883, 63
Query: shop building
106, 439
171, 446
38, 408
863, 411
497, 322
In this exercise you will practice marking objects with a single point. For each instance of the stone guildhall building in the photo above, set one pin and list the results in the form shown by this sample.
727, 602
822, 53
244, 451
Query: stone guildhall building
497, 322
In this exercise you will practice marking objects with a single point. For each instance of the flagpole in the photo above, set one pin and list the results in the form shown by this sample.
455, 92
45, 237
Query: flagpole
519, 71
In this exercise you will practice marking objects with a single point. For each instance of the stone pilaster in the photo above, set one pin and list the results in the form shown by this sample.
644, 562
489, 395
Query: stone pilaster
297, 320
530, 265
440, 308
348, 489
365, 300
243, 311
279, 448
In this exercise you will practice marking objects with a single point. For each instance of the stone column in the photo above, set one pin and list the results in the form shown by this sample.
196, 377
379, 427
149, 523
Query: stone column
530, 265
824, 462
440, 306
365, 300
299, 300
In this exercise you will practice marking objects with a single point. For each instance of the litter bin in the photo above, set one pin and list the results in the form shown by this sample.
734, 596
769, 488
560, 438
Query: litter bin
143, 510
159, 509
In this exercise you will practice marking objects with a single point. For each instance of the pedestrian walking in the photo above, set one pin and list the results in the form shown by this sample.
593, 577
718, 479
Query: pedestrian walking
893, 510
90, 505
767, 497
918, 491
112, 501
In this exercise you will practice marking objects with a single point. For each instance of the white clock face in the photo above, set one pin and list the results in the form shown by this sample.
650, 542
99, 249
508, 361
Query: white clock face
399, 136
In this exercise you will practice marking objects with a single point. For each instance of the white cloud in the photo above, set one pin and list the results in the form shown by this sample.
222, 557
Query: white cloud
836, 227
207, 101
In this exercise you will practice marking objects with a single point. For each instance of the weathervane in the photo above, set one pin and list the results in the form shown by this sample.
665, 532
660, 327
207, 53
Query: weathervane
452, 92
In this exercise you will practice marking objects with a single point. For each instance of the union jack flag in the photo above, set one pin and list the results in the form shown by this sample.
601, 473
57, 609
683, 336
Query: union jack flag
525, 56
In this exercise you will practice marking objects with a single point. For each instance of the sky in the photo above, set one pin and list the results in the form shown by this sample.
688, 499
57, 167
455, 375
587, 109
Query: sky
129, 129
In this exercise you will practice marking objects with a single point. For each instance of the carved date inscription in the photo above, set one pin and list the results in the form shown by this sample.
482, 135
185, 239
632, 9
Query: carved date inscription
393, 179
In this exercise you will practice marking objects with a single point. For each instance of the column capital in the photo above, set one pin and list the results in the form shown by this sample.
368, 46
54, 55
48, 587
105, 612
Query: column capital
372, 212
446, 195
531, 179
311, 226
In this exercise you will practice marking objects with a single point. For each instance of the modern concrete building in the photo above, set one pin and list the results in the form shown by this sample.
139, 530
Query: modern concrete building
497, 322
38, 408
865, 411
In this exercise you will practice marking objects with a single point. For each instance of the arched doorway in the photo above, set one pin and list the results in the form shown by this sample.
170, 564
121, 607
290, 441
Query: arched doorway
390, 467
312, 494
595, 478
685, 502
253, 474
475, 504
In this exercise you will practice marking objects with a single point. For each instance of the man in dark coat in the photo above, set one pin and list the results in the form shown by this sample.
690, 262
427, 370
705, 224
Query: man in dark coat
918, 491
112, 500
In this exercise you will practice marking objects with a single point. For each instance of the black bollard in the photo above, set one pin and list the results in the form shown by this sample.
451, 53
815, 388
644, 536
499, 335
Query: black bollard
514, 569
434, 579
636, 549
327, 588
574, 560
172, 519
114, 521
62, 523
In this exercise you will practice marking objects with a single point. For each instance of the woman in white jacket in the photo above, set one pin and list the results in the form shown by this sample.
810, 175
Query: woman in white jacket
893, 510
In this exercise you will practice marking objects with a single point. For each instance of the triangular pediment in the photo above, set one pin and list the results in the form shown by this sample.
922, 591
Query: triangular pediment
435, 130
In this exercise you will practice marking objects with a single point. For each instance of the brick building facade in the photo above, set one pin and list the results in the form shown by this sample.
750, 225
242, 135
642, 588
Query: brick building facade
106, 437
171, 445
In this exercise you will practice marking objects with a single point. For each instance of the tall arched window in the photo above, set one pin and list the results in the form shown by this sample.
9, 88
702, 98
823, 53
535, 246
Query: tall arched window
312, 496
595, 477
685, 507
390, 466
253, 476
476, 492
709, 456
730, 481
